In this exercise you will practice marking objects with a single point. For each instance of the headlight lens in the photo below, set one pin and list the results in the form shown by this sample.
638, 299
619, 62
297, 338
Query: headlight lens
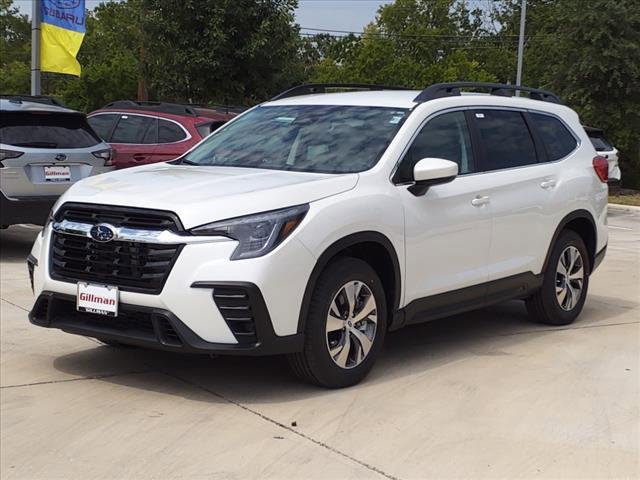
258, 234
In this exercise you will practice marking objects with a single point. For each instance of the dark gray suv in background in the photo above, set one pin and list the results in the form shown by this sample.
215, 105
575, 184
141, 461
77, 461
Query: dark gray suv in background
44, 148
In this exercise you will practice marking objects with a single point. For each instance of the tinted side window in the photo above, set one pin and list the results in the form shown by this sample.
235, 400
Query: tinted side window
132, 129
46, 130
103, 124
505, 139
445, 136
169, 132
557, 140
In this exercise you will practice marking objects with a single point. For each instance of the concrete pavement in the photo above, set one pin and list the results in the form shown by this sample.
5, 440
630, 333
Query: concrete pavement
481, 395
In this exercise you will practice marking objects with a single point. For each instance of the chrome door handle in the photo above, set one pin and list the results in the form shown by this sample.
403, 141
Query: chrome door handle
548, 184
480, 201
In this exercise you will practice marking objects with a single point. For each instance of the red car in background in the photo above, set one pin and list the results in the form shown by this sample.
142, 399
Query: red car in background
149, 132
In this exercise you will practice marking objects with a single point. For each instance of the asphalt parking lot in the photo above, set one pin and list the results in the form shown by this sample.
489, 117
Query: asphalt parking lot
481, 395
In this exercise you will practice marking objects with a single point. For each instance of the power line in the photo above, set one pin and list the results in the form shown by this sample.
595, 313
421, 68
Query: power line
412, 35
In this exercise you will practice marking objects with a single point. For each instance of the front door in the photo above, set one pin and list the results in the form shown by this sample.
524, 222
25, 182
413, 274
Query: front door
447, 230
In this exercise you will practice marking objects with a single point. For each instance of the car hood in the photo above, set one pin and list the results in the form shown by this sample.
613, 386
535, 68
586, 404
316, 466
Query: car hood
200, 194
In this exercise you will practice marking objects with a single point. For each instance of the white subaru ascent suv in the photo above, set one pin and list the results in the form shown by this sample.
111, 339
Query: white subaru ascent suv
314, 223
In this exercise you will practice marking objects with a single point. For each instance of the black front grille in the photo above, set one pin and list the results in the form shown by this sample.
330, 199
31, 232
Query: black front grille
131, 266
235, 305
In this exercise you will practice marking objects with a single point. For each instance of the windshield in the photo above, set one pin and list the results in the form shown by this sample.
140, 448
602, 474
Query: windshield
304, 138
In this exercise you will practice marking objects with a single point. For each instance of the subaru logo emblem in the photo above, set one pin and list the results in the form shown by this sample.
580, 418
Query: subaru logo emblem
66, 4
61, 157
103, 232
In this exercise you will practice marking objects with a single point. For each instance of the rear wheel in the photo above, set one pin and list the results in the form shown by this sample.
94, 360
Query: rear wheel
564, 289
345, 327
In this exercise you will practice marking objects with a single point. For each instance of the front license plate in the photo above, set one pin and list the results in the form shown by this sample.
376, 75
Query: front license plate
98, 299
57, 173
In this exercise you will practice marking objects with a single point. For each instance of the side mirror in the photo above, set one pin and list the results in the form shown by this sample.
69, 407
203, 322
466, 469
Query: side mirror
432, 171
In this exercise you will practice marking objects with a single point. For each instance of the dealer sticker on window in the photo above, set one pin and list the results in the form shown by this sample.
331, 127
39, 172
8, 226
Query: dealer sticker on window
98, 299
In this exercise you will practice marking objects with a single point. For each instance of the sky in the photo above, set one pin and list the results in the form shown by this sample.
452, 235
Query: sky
350, 15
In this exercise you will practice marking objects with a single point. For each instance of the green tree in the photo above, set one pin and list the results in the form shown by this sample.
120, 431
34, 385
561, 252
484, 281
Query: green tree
412, 43
596, 68
589, 54
15, 49
228, 51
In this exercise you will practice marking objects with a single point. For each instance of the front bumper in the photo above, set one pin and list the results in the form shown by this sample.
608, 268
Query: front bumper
154, 328
198, 301
25, 209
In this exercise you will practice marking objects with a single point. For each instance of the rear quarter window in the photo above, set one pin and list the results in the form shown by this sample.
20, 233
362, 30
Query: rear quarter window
558, 140
169, 132
46, 130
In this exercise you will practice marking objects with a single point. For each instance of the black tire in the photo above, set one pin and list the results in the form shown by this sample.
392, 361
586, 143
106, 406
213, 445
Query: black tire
315, 364
543, 306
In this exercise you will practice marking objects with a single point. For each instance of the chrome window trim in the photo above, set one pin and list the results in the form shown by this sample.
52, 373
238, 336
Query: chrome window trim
163, 237
186, 132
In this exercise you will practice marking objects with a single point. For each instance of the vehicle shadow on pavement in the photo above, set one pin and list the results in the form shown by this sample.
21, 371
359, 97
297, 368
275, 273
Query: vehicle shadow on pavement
16, 242
412, 351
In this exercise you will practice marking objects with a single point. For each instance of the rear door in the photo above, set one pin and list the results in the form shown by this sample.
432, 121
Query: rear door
522, 188
56, 151
134, 139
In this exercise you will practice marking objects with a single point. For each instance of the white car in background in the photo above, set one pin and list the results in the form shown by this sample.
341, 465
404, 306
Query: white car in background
608, 151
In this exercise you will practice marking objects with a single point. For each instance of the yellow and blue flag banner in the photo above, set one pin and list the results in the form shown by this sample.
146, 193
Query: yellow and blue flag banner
62, 30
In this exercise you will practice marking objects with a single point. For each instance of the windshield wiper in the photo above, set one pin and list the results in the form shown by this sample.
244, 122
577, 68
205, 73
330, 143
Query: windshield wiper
184, 161
36, 144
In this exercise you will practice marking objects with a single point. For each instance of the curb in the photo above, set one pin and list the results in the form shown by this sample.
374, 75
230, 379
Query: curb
623, 208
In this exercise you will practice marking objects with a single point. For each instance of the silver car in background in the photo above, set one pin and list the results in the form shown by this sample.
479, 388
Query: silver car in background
44, 148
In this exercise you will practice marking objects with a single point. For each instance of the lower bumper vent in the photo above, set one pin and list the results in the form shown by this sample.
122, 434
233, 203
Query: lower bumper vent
235, 305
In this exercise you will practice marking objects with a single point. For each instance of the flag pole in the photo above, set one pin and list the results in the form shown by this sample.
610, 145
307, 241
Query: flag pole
523, 16
36, 19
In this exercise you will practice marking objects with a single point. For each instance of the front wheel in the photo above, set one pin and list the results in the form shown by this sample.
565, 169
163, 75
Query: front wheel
345, 326
564, 289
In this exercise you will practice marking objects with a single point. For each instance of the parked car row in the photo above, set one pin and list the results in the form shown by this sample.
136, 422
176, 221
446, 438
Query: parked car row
46, 147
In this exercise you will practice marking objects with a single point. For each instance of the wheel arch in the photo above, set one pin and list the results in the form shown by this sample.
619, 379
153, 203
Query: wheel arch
374, 248
581, 222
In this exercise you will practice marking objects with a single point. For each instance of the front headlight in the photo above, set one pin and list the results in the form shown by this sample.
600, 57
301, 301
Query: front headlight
258, 234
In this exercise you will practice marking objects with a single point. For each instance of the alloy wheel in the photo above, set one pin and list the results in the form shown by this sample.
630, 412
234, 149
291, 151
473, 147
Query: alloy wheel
351, 324
569, 278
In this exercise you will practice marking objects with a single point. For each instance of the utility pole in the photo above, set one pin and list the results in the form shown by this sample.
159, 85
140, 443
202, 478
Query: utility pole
36, 19
523, 15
